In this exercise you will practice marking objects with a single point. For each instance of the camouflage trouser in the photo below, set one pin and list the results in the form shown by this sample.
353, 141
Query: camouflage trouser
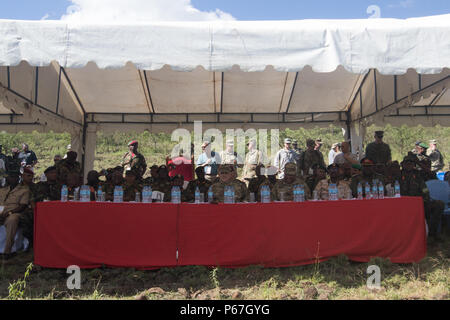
433, 215
26, 222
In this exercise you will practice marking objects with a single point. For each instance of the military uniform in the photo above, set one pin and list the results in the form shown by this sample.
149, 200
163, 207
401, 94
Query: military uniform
48, 191
378, 152
288, 189
255, 184
240, 190
344, 191
11, 199
310, 158
108, 190
188, 194
312, 181
129, 190
163, 186
63, 168
282, 158
437, 161
252, 160
134, 161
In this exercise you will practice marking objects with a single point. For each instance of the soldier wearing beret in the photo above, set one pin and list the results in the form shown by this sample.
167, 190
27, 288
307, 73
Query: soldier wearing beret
283, 190
227, 177
133, 160
378, 151
412, 184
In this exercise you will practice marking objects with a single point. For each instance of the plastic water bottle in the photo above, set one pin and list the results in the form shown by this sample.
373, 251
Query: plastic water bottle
197, 195
295, 192
380, 190
147, 194
118, 194
64, 193
176, 194
85, 194
360, 191
397, 189
137, 197
375, 189
100, 195
226, 194
210, 195
367, 190
232, 194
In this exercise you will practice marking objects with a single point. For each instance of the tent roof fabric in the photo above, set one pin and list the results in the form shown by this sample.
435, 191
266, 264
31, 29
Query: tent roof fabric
389, 45
230, 74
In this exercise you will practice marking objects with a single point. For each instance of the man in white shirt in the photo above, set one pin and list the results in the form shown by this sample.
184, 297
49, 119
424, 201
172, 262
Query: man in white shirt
333, 152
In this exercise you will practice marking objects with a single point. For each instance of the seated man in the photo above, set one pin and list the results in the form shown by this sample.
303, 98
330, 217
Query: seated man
14, 199
368, 175
344, 191
284, 188
108, 187
131, 185
163, 183
94, 183
201, 183
255, 183
49, 189
319, 173
227, 177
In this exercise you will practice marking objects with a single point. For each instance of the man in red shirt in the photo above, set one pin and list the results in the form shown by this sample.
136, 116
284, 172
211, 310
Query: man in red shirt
180, 166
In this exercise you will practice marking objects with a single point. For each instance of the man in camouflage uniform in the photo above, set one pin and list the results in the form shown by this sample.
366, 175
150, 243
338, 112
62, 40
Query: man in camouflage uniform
13, 162
201, 183
131, 185
227, 178
66, 166
133, 160
49, 189
344, 191
15, 199
368, 174
286, 185
255, 183
309, 158
228, 156
411, 184
378, 151
253, 158
319, 173
437, 161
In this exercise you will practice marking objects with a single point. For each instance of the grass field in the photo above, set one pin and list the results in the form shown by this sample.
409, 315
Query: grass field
335, 279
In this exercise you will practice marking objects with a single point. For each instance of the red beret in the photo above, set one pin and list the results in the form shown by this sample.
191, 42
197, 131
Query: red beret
27, 170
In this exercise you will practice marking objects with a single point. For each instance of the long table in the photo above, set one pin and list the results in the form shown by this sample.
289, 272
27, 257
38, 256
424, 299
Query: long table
281, 234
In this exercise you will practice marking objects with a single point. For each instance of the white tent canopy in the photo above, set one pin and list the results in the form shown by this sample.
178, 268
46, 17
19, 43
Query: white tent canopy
160, 76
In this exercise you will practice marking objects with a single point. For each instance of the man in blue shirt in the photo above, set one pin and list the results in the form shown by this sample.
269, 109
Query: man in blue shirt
209, 160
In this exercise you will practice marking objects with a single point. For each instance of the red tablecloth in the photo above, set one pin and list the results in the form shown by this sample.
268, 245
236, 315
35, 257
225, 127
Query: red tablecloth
283, 234
112, 234
276, 234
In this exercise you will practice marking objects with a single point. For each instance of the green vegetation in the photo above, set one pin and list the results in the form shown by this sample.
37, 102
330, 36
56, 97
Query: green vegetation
155, 147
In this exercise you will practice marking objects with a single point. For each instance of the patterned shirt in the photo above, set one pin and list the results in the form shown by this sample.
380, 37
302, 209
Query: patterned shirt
344, 191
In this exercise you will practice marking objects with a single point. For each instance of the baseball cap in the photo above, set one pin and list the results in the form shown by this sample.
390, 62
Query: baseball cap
433, 141
379, 133
319, 141
334, 145
287, 140
230, 142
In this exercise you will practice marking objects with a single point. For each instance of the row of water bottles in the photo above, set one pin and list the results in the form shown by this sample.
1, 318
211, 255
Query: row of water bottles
376, 191
265, 194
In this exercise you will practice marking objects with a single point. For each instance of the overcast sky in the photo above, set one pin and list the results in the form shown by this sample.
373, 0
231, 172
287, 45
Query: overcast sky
171, 10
